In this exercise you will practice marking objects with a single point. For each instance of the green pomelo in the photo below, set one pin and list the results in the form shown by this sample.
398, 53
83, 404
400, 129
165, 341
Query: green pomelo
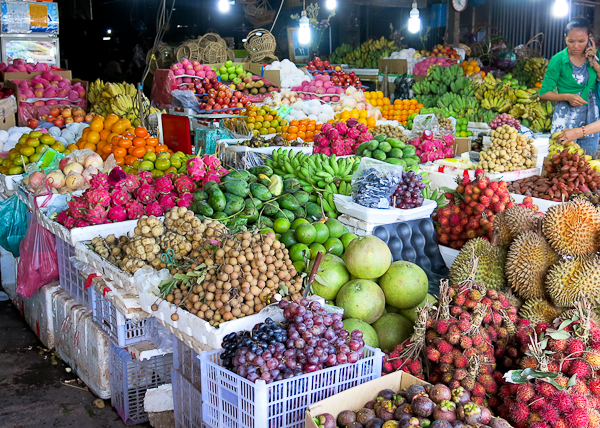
405, 285
411, 313
361, 299
368, 257
334, 274
392, 329
369, 333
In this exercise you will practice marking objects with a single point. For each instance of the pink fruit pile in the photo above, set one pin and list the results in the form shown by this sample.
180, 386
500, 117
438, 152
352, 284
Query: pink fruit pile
204, 169
321, 85
505, 119
317, 65
53, 89
186, 71
430, 149
421, 68
341, 138
471, 211
19, 65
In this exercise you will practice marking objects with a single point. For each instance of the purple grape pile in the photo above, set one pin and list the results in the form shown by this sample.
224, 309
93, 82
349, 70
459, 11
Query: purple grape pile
409, 192
505, 119
311, 340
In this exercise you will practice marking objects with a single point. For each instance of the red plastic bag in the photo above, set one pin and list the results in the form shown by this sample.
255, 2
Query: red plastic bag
38, 264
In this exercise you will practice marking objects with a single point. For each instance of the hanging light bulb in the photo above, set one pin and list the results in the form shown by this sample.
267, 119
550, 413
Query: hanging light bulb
331, 4
224, 6
414, 22
561, 8
304, 31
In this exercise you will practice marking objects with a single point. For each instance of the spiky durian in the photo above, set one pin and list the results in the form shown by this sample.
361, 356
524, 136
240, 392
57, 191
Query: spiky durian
539, 310
501, 231
520, 219
490, 264
529, 258
570, 280
513, 299
573, 228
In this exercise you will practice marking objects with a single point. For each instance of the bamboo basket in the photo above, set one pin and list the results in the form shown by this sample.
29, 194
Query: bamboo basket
260, 43
531, 49
260, 13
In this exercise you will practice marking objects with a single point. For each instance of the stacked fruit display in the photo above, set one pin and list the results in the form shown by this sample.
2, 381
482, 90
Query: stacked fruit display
505, 119
471, 211
429, 149
422, 67
217, 97
317, 65
323, 85
391, 150
510, 151
408, 195
316, 111
191, 69
470, 67
265, 120
29, 149
61, 116
19, 65
433, 406
342, 138
366, 55
49, 89
530, 72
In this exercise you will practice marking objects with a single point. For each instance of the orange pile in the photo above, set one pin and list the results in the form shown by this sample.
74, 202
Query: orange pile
305, 129
401, 110
116, 136
471, 67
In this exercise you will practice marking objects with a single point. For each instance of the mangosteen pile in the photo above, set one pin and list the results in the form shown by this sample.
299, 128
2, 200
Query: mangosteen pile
416, 407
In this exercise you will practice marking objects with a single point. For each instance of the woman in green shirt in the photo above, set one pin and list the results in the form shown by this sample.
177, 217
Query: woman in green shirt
570, 82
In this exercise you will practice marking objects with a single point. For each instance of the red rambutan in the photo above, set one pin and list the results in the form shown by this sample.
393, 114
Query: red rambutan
453, 338
577, 418
580, 401
575, 348
594, 418
415, 367
444, 347
387, 367
544, 388
539, 425
541, 327
442, 326
505, 391
549, 414
460, 361
447, 358
538, 403
529, 363
460, 374
432, 354
562, 401
561, 423
466, 342
525, 392
464, 325
478, 390
594, 386
519, 412
580, 387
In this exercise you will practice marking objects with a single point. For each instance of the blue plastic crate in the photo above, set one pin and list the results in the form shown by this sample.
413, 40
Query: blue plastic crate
231, 401
130, 379
186, 362
187, 402
71, 280
119, 329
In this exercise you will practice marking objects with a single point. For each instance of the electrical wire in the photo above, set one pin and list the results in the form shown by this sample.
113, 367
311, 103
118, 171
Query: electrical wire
277, 16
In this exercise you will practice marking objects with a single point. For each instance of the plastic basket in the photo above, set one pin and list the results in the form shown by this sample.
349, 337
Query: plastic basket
187, 402
70, 278
186, 362
114, 323
230, 401
130, 378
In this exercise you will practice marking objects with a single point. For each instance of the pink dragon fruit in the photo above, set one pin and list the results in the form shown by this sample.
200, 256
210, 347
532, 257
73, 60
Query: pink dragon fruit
77, 207
97, 215
341, 128
164, 184
449, 140
427, 146
120, 196
352, 123
70, 223
419, 152
326, 127
424, 157
185, 200
82, 223
131, 182
415, 142
212, 176
97, 196
184, 184
195, 169
116, 176
448, 152
99, 181
154, 208
145, 194
326, 151
353, 133
117, 213
166, 202
134, 210
438, 144
427, 135
363, 138
362, 128
212, 162
332, 134
145, 177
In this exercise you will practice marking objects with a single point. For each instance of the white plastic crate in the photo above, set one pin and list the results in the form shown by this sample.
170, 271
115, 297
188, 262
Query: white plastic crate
187, 401
123, 326
130, 378
38, 312
186, 362
69, 276
230, 401
345, 205
81, 344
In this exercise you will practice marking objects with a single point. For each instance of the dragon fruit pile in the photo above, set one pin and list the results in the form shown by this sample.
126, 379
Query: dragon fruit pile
205, 169
342, 138
430, 149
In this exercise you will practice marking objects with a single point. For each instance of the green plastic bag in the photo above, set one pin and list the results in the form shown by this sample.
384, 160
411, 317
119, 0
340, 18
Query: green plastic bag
14, 223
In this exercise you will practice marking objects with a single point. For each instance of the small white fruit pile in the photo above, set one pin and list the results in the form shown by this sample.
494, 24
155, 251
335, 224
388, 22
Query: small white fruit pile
312, 109
290, 74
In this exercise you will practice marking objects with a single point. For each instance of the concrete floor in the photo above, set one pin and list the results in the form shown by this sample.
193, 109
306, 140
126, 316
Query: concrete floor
32, 392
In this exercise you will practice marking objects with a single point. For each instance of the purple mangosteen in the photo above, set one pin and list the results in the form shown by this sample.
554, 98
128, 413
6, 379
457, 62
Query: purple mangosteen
422, 406
439, 393
446, 410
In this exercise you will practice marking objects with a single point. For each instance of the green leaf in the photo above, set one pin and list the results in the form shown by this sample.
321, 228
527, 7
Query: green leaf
554, 383
564, 324
321, 280
193, 274
448, 190
517, 376
180, 276
572, 381
559, 335
283, 290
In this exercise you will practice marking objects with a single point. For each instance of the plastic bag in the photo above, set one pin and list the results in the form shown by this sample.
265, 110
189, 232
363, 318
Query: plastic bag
147, 279
374, 182
38, 264
159, 335
13, 224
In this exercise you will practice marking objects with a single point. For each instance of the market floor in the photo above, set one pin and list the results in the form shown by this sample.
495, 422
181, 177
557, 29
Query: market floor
32, 393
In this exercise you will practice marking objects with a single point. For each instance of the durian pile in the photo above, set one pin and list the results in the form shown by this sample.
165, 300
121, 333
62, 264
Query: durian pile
549, 263
510, 151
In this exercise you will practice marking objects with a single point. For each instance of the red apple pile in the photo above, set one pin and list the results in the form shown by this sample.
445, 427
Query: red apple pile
218, 96
317, 65
6, 92
62, 116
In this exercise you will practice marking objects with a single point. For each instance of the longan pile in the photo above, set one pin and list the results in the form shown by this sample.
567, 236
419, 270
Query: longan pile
243, 276
510, 151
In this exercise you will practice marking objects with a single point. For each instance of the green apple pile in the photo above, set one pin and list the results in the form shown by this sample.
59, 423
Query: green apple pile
233, 73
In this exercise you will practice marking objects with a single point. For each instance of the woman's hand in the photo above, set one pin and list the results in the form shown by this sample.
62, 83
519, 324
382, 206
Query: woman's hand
590, 52
575, 100
569, 135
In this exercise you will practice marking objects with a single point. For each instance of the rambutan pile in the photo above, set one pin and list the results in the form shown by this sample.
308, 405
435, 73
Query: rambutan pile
470, 213
568, 397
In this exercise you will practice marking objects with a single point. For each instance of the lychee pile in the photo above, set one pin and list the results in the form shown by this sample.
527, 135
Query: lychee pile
470, 213
571, 397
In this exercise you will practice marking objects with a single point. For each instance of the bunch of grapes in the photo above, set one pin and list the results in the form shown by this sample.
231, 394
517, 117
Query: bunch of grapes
505, 119
312, 340
408, 194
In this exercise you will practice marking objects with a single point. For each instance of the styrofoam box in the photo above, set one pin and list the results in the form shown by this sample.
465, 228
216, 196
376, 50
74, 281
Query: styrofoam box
81, 344
187, 401
543, 204
449, 254
357, 226
231, 401
39, 313
345, 205
8, 273
126, 300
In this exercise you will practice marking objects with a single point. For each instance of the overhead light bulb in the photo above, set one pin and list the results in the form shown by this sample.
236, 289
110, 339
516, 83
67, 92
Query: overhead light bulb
331, 4
304, 30
414, 22
561, 8
224, 6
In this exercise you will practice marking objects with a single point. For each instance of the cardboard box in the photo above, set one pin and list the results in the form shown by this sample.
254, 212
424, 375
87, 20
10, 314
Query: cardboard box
419, 78
272, 76
394, 66
355, 398
462, 145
